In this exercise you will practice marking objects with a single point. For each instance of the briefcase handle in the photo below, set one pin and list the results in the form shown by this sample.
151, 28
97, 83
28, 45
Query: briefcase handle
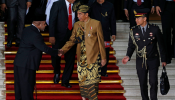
164, 69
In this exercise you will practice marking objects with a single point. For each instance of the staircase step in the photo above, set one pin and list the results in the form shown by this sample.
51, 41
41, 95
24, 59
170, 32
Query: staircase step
159, 98
112, 76
71, 81
133, 79
49, 61
68, 91
135, 91
111, 86
72, 97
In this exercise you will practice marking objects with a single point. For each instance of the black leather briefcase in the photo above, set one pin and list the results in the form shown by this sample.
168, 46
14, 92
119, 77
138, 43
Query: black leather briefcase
164, 82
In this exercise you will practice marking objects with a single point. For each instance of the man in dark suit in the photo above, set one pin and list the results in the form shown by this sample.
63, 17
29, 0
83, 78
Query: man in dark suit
16, 10
62, 19
103, 11
166, 9
144, 39
130, 5
28, 57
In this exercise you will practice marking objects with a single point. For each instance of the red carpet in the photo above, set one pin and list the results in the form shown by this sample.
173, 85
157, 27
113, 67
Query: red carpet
109, 89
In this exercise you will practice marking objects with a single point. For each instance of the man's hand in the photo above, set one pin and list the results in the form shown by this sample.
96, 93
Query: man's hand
125, 59
28, 4
152, 10
103, 62
163, 64
113, 37
127, 14
52, 40
3, 7
60, 52
158, 10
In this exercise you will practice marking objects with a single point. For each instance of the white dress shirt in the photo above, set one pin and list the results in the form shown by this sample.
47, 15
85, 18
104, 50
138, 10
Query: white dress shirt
73, 13
136, 0
48, 8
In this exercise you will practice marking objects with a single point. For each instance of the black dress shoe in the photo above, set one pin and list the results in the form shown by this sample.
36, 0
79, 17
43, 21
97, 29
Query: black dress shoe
105, 75
9, 44
56, 78
66, 85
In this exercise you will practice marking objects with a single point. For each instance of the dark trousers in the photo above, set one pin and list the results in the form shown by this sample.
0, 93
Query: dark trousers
153, 81
168, 23
24, 83
69, 58
104, 68
16, 17
132, 15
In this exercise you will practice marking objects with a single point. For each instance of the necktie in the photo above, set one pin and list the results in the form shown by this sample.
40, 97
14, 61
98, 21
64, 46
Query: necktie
143, 29
70, 18
139, 2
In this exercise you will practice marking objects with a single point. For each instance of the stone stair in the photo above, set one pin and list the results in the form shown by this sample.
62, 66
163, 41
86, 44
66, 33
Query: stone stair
2, 66
128, 71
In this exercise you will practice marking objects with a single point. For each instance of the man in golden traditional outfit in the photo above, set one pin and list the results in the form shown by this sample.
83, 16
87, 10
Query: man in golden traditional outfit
91, 55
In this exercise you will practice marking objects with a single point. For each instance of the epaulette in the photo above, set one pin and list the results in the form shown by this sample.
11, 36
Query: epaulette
154, 24
134, 27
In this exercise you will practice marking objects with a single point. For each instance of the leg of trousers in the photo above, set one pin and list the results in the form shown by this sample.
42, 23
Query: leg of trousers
167, 18
153, 81
69, 58
24, 83
104, 68
20, 22
142, 75
11, 22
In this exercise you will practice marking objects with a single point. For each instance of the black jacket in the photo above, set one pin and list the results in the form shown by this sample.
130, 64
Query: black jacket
150, 42
30, 50
12, 3
59, 20
128, 4
106, 15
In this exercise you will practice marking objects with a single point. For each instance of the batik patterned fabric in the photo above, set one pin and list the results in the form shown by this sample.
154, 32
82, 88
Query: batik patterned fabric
88, 73
89, 91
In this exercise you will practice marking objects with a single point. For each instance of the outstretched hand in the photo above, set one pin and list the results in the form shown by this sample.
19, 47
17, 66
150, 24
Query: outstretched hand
60, 52
125, 59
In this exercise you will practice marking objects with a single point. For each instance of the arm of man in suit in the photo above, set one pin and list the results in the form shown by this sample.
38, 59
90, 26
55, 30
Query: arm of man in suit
3, 5
38, 42
29, 3
158, 9
161, 46
126, 9
113, 24
69, 44
52, 22
130, 51
101, 44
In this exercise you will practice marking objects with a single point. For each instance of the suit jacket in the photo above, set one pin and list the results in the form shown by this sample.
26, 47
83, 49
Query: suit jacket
31, 47
150, 39
160, 3
12, 3
94, 41
128, 4
58, 22
106, 15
